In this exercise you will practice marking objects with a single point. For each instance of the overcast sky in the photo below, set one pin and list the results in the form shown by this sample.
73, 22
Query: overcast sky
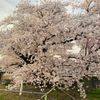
7, 7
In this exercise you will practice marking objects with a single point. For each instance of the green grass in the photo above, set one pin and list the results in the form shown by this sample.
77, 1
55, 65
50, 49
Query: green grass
5, 95
14, 96
94, 94
54, 95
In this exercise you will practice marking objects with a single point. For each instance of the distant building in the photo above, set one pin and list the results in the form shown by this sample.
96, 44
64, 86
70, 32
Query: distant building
96, 83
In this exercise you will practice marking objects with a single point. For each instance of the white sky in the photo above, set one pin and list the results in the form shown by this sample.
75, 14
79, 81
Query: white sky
7, 7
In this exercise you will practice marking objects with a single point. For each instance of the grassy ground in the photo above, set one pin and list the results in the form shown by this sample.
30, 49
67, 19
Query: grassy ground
54, 95
94, 94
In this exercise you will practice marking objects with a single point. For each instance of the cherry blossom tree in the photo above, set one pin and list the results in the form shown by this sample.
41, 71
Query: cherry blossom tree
47, 46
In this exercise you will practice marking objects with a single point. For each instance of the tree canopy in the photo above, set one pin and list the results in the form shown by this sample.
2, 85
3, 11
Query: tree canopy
47, 46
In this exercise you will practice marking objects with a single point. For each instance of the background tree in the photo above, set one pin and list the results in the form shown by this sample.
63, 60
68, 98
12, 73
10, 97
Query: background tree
91, 5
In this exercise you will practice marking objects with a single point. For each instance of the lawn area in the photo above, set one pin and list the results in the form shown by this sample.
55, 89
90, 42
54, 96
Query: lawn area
94, 94
15, 96
54, 95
